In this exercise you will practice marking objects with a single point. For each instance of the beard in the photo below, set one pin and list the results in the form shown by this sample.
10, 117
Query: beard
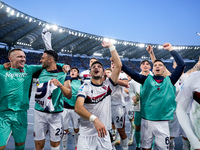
97, 77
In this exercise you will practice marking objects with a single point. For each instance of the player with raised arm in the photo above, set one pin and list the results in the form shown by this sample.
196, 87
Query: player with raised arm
157, 101
94, 105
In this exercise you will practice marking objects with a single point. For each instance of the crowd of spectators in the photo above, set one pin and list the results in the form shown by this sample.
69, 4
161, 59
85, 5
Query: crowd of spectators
80, 62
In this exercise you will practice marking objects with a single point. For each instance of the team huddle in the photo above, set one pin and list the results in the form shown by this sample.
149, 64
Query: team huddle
160, 105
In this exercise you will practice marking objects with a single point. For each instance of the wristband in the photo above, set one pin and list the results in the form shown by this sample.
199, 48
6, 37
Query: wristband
112, 48
92, 118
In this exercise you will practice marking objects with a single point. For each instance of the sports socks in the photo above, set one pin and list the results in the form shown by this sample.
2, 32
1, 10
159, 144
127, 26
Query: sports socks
171, 144
124, 144
55, 148
137, 138
132, 130
64, 141
186, 144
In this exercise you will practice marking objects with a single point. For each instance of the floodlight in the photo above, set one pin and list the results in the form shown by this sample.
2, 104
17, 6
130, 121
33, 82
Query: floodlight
55, 27
106, 39
141, 45
30, 19
8, 9
12, 12
17, 15
60, 30
48, 26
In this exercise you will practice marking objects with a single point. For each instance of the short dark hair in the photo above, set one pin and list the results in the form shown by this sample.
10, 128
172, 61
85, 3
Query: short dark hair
97, 62
94, 58
12, 50
53, 54
74, 68
145, 61
158, 60
109, 69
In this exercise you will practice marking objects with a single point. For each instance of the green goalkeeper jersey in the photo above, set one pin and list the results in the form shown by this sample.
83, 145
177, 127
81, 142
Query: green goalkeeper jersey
57, 98
15, 86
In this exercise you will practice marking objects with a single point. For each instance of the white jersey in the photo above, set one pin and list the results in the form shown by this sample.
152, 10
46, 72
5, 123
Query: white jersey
43, 95
180, 81
85, 75
189, 101
127, 96
98, 102
117, 97
135, 88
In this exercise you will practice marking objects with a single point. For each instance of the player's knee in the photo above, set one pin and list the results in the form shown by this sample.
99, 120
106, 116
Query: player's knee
55, 144
76, 130
19, 144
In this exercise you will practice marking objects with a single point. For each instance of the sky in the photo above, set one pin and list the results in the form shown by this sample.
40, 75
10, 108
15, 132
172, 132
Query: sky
146, 21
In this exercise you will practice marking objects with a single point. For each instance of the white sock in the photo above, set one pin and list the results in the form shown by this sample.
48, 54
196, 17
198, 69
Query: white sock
114, 131
171, 144
55, 148
117, 137
64, 141
76, 138
132, 130
186, 144
124, 144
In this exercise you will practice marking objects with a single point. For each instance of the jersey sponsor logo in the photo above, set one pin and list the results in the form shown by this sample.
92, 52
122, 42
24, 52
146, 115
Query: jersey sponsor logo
18, 75
99, 98
196, 97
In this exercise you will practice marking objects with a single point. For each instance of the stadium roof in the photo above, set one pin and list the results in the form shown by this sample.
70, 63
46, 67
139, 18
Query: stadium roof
18, 29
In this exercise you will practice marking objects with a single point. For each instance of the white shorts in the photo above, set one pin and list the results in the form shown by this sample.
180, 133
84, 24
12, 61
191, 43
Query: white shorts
94, 143
129, 110
157, 129
70, 114
118, 115
175, 128
48, 122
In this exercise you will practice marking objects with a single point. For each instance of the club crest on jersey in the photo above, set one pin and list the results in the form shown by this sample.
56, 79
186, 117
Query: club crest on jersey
81, 88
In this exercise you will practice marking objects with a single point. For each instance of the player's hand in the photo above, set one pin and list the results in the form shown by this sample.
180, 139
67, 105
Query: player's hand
106, 44
100, 128
149, 49
55, 82
66, 68
7, 65
134, 99
168, 46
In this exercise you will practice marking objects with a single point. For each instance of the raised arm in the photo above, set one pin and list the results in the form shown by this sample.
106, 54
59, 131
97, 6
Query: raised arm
195, 68
179, 61
153, 58
135, 76
151, 53
116, 60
